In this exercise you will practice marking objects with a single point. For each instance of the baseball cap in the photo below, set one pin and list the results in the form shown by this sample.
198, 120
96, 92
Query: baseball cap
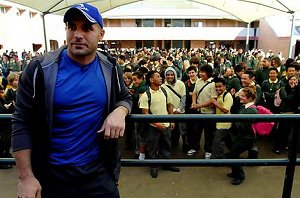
90, 12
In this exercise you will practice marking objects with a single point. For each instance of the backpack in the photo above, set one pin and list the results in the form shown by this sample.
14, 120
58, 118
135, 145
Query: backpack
149, 97
262, 128
277, 99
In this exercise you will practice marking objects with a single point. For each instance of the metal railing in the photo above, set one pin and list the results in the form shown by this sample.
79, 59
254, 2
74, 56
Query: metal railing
290, 162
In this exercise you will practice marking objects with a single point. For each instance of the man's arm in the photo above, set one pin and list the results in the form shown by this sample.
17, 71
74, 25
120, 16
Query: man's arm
114, 124
28, 185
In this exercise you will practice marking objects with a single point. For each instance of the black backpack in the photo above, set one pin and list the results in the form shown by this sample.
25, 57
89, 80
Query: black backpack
149, 97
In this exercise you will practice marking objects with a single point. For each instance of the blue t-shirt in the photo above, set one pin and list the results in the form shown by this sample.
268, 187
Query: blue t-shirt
80, 98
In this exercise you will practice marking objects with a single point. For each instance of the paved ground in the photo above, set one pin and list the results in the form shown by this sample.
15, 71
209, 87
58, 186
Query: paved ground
195, 182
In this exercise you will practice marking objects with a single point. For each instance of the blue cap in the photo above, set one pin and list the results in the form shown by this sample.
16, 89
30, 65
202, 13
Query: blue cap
90, 12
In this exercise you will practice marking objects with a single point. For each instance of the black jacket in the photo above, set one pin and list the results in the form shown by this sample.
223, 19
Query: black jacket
32, 119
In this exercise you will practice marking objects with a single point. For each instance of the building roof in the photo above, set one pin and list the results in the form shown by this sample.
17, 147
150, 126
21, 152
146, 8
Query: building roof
243, 10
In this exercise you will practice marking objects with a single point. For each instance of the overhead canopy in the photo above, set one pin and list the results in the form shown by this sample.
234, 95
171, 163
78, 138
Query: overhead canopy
243, 10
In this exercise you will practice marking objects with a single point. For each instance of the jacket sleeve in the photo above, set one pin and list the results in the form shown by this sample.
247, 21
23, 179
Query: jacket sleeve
22, 117
123, 97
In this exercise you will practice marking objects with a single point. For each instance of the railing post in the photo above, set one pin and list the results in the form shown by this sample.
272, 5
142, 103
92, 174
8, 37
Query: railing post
292, 161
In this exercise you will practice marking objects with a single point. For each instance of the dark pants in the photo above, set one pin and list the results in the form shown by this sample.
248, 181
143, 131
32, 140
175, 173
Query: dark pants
221, 139
5, 139
159, 142
239, 146
89, 181
283, 135
195, 136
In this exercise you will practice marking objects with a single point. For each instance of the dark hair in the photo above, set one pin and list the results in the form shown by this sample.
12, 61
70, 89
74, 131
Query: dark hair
127, 69
250, 72
207, 69
220, 80
190, 68
142, 62
122, 57
238, 68
288, 62
170, 58
273, 68
138, 74
149, 75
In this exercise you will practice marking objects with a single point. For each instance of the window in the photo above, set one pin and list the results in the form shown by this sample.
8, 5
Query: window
177, 23
148, 43
2, 10
297, 30
198, 24
138, 22
148, 23
177, 44
167, 22
187, 23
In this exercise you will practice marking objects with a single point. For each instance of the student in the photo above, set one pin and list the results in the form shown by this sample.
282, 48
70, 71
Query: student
288, 105
269, 88
5, 131
204, 91
178, 93
223, 104
70, 111
159, 134
140, 134
245, 136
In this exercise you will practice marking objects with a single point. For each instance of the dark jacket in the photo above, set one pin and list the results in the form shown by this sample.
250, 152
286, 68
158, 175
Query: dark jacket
289, 99
32, 119
244, 129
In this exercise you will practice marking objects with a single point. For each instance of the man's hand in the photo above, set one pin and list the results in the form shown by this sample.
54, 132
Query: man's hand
114, 124
29, 187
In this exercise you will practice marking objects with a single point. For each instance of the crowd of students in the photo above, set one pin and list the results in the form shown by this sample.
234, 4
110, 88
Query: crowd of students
189, 81
202, 81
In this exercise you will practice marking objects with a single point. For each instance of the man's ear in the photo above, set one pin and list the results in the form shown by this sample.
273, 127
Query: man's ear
102, 32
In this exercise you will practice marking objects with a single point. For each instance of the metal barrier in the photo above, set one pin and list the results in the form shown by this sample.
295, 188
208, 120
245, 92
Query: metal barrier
289, 162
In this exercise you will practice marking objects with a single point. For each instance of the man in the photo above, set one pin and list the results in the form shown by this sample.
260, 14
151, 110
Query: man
178, 93
223, 105
263, 73
158, 101
239, 57
69, 114
170, 62
189, 86
204, 91
234, 83
290, 71
269, 88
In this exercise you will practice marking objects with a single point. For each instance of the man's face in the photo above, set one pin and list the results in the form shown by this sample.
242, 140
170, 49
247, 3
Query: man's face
192, 74
290, 71
266, 63
203, 75
136, 81
120, 61
220, 88
82, 37
170, 77
156, 80
246, 80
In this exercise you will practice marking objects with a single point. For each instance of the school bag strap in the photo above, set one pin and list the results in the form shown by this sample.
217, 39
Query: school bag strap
203, 88
177, 94
149, 97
